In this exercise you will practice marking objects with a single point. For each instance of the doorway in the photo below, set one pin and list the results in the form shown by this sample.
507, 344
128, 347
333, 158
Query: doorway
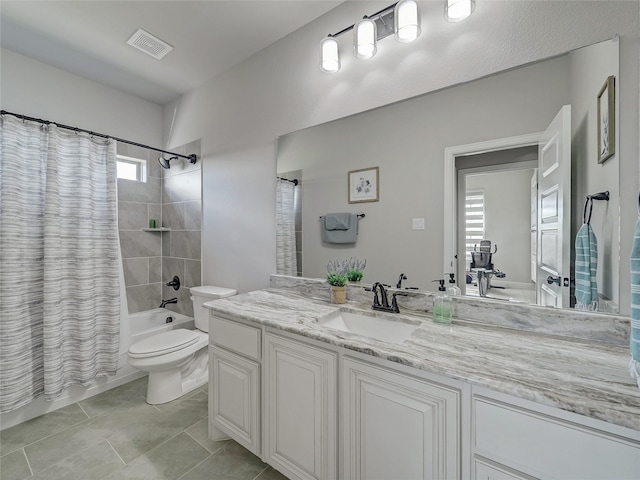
495, 220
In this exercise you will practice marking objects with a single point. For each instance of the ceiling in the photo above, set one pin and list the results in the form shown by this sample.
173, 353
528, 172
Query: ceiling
88, 38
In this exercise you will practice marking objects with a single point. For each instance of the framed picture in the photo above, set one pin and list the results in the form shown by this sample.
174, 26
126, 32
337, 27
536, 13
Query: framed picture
363, 185
606, 120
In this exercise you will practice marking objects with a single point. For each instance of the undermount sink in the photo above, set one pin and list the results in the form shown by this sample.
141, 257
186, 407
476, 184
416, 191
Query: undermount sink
379, 328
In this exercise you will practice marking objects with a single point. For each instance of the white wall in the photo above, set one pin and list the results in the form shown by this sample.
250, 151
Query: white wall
281, 89
589, 70
507, 200
39, 90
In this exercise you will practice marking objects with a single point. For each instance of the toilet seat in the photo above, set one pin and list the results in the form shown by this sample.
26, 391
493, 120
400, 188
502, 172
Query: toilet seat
163, 343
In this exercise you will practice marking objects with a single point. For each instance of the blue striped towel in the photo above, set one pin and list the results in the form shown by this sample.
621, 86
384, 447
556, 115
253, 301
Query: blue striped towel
634, 364
586, 265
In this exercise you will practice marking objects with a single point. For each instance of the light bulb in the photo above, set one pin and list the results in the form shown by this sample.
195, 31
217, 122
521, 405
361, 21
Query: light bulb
458, 10
329, 55
406, 21
364, 39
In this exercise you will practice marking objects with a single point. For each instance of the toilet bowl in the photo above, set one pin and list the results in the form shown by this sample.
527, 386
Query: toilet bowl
177, 360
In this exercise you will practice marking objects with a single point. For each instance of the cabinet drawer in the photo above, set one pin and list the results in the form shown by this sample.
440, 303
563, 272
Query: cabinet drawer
235, 336
548, 447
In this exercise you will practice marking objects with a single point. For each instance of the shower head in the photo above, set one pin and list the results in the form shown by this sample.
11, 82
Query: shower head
165, 163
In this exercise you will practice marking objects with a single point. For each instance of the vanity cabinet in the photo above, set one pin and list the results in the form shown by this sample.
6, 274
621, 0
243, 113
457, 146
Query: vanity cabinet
314, 410
514, 438
397, 426
234, 370
300, 397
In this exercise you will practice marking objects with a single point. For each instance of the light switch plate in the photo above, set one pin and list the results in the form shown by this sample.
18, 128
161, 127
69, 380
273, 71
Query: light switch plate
417, 223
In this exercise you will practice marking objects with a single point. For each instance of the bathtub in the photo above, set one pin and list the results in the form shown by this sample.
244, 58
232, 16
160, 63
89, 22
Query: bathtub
139, 326
151, 322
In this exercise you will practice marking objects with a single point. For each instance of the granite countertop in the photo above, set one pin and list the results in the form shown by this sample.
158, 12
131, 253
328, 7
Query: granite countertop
588, 378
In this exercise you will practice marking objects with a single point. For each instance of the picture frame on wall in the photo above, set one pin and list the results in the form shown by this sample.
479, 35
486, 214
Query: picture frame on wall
364, 185
606, 120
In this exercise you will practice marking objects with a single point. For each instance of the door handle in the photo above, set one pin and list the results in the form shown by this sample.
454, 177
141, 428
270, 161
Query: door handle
551, 279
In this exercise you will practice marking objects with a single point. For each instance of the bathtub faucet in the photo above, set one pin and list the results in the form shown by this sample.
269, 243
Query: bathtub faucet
166, 302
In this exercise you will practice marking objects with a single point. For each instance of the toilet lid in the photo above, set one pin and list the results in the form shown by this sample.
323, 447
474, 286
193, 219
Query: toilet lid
211, 291
165, 342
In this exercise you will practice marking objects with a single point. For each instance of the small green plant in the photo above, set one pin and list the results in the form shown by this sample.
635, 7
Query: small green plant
354, 275
337, 273
355, 269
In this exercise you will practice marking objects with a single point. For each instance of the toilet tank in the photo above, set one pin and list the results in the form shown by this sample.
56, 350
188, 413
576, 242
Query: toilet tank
206, 293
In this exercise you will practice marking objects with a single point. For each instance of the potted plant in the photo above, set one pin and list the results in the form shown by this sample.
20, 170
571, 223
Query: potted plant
355, 269
337, 278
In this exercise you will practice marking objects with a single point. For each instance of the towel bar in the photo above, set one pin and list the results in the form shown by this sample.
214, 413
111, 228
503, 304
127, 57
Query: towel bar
360, 215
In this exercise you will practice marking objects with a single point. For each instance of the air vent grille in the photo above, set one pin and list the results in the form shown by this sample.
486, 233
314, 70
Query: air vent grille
149, 44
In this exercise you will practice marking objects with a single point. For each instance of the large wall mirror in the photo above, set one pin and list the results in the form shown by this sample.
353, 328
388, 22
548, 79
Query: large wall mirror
428, 156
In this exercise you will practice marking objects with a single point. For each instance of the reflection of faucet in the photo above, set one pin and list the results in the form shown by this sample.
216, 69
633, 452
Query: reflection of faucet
384, 306
400, 278
164, 303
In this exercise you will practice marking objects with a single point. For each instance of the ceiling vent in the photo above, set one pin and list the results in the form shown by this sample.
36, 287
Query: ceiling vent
147, 43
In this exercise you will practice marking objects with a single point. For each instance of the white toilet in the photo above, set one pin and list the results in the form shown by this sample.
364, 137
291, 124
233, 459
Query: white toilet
177, 360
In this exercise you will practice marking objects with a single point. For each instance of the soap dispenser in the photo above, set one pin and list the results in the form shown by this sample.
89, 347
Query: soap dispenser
453, 289
442, 306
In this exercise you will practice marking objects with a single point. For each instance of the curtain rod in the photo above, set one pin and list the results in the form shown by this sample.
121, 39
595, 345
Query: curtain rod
191, 157
294, 181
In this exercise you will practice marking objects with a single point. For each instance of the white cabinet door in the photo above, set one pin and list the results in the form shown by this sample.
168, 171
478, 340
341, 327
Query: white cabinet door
397, 426
300, 398
235, 407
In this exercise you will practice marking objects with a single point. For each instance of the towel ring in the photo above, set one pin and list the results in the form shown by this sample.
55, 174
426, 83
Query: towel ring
591, 198
588, 201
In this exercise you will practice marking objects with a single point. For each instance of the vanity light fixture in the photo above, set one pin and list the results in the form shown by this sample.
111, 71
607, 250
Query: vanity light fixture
458, 10
401, 18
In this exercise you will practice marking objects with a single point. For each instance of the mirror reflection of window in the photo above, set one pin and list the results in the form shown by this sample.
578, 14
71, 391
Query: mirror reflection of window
474, 221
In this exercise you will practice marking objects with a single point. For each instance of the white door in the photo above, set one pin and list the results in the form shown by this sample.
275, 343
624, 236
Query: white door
554, 212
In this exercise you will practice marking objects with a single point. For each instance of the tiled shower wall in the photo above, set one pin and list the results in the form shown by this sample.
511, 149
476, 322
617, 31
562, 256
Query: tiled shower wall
182, 212
151, 259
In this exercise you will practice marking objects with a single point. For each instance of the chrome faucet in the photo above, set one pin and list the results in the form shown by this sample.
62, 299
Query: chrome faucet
384, 306
164, 303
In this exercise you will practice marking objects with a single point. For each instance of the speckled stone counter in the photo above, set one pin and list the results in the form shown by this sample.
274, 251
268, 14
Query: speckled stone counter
588, 378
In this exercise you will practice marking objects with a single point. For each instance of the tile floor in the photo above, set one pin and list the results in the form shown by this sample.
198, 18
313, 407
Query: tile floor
116, 435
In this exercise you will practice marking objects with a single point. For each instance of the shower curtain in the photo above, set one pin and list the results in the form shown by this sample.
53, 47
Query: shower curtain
286, 263
59, 276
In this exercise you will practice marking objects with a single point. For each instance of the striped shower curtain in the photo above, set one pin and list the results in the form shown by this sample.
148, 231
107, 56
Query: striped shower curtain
59, 277
286, 262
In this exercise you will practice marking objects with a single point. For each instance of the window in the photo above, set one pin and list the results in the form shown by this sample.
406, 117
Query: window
130, 168
474, 221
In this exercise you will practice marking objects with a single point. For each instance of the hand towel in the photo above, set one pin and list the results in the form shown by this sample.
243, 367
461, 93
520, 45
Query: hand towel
337, 221
586, 264
634, 364
332, 228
